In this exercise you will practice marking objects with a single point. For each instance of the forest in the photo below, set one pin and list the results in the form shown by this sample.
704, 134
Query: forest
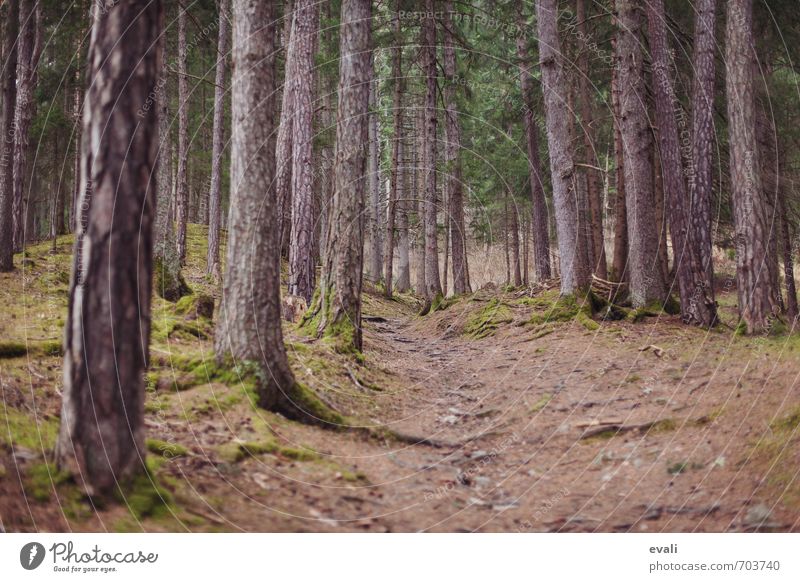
399, 265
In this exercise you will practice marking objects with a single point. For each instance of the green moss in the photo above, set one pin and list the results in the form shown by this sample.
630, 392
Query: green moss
20, 430
304, 399
485, 321
654, 309
11, 349
565, 309
165, 449
169, 283
143, 494
235, 452
41, 479
677, 468
541, 403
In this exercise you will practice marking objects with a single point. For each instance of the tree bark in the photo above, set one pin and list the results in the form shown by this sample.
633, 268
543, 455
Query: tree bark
539, 219
788, 266
249, 328
9, 88
395, 194
168, 280
455, 189
646, 279
756, 286
513, 227
696, 294
218, 144
101, 439
302, 269
575, 272
374, 182
182, 186
593, 189
620, 259
337, 310
418, 200
283, 152
701, 178
433, 283
29, 50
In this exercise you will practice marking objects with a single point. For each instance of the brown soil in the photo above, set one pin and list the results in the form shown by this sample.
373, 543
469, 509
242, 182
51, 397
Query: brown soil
573, 430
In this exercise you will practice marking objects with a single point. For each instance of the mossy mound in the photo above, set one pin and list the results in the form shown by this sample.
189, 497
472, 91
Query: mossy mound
486, 321
235, 452
168, 282
569, 308
12, 349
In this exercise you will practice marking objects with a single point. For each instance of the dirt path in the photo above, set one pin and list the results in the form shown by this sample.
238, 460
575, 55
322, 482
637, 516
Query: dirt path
569, 429
506, 415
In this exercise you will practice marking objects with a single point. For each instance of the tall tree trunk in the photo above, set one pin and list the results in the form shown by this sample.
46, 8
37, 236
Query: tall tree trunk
697, 307
395, 194
757, 285
525, 250
374, 182
29, 50
168, 280
302, 269
646, 279
701, 179
620, 259
433, 284
419, 196
788, 266
403, 284
338, 305
218, 144
513, 228
182, 186
283, 151
9, 88
575, 272
249, 328
539, 219
455, 189
594, 191
660, 212
101, 439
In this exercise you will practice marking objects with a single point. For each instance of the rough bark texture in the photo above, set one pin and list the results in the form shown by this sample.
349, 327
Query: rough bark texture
757, 285
575, 272
418, 200
29, 50
513, 231
337, 310
594, 192
374, 181
249, 328
302, 269
696, 297
283, 151
539, 219
433, 283
788, 266
101, 439
395, 193
455, 189
701, 174
9, 87
182, 186
620, 259
646, 279
218, 144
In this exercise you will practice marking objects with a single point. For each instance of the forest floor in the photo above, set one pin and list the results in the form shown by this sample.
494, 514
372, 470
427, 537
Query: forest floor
501, 411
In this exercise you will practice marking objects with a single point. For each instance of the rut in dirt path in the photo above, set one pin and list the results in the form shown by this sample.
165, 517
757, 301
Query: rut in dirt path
517, 416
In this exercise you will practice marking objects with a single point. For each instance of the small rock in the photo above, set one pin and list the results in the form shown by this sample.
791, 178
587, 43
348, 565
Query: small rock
757, 515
